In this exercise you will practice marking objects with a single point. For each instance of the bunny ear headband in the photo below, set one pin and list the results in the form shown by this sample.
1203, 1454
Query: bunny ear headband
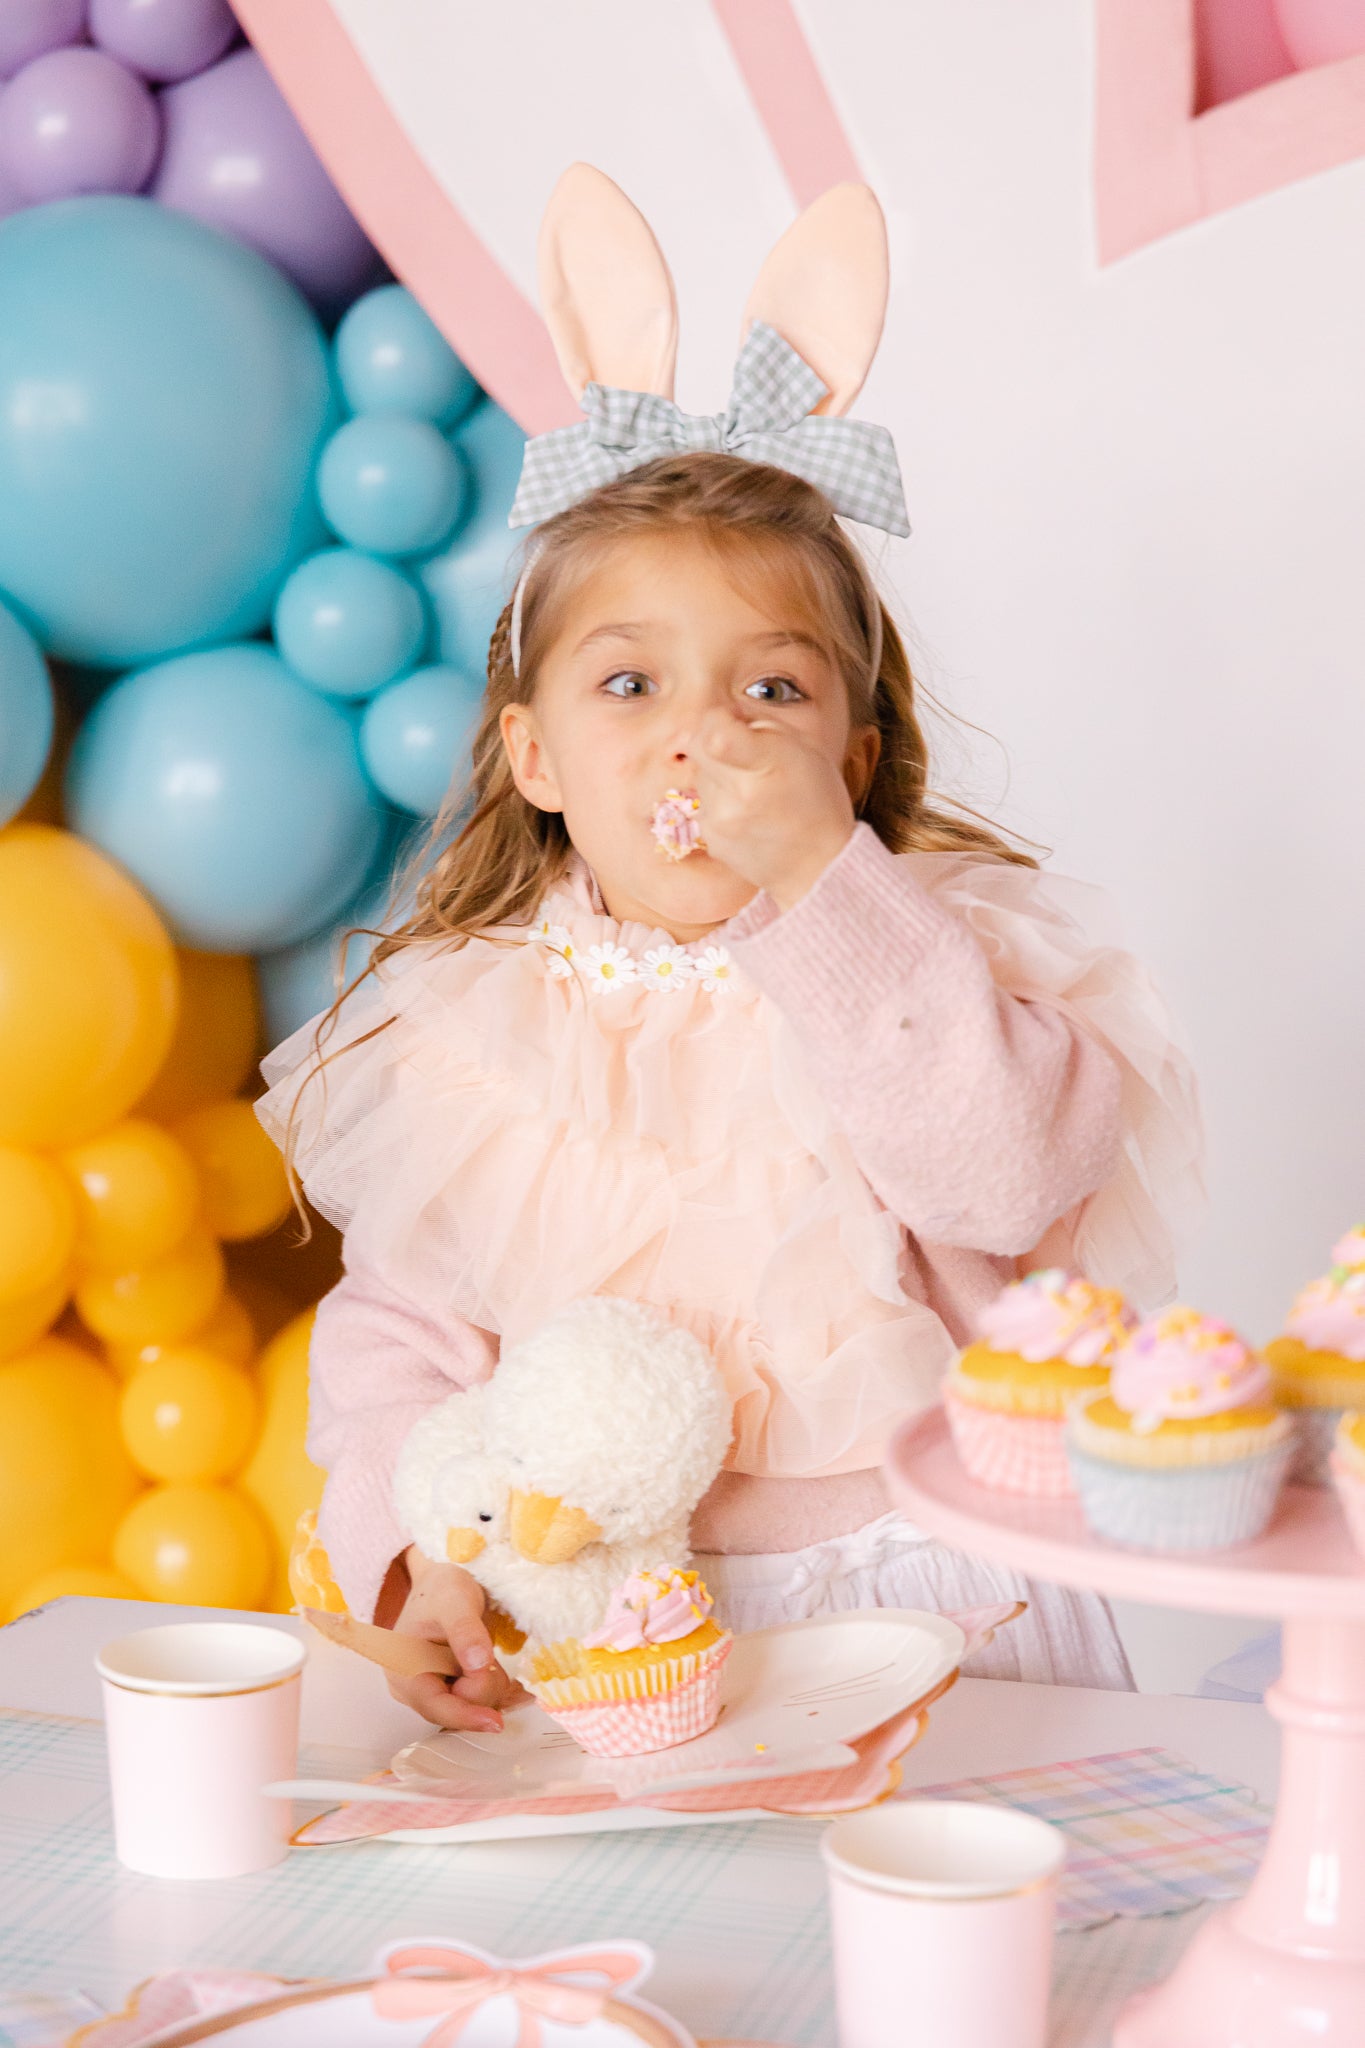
810, 330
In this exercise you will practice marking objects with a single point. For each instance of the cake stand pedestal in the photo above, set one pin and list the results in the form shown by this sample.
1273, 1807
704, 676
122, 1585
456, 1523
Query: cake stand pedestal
1283, 1967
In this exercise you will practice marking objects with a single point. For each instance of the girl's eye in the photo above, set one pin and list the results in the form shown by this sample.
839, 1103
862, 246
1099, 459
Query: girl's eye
775, 690
629, 682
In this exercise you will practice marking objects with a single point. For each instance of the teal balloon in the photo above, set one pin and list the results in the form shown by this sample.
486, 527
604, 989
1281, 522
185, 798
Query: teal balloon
25, 714
391, 357
391, 484
349, 624
299, 982
164, 393
415, 736
232, 792
469, 582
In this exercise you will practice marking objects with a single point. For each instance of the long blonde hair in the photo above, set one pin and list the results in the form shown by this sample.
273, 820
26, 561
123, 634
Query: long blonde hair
491, 854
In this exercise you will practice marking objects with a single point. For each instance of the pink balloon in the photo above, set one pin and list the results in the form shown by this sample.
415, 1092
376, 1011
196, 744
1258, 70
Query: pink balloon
29, 28
163, 39
1322, 31
77, 121
234, 156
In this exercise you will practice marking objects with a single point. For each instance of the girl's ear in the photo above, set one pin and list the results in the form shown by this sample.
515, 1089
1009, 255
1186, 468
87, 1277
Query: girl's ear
606, 291
824, 289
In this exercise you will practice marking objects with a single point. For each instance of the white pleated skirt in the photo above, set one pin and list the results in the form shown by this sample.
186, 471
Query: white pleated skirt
1062, 1638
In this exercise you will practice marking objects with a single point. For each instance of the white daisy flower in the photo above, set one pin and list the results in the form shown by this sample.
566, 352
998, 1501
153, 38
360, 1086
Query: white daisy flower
560, 965
545, 933
665, 969
609, 967
715, 970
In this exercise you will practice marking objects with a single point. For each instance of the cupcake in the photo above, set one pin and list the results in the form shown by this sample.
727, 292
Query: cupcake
1318, 1362
1045, 1340
648, 1679
1186, 1449
1347, 1465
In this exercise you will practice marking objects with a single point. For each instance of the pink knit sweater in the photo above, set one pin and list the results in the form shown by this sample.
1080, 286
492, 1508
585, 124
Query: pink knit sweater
994, 1126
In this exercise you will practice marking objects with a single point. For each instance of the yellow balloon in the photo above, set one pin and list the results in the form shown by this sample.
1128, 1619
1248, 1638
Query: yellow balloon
159, 1303
23, 1322
280, 1476
137, 1195
88, 988
68, 1581
188, 1415
203, 1545
245, 1189
37, 1225
65, 1478
213, 1052
228, 1334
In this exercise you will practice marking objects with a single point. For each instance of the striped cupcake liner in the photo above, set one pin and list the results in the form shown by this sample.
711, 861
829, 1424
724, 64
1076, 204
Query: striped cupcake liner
1012, 1453
1351, 1493
1184, 1507
1317, 1428
657, 1721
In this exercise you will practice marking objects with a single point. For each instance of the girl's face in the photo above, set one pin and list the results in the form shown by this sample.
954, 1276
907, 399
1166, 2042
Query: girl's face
655, 641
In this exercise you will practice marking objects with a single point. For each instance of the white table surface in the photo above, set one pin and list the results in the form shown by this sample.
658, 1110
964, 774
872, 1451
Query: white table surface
735, 1912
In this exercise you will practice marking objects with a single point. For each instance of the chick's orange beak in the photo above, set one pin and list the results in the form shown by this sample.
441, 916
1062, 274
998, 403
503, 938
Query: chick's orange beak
548, 1531
463, 1545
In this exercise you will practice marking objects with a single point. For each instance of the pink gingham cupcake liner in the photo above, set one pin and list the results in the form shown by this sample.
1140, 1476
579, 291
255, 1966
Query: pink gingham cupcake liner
633, 1727
1013, 1453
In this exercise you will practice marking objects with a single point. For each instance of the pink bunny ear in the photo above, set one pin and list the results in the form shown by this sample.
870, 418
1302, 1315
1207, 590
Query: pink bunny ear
605, 288
824, 287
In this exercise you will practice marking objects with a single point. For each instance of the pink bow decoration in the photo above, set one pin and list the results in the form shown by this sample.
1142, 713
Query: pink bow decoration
466, 1981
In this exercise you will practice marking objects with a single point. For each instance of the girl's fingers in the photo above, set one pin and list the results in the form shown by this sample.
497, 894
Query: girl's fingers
434, 1699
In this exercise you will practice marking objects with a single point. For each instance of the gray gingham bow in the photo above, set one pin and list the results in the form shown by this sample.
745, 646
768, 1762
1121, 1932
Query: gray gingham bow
767, 420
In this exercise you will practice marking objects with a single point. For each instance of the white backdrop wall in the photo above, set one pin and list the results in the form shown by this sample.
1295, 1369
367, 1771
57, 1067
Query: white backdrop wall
1138, 493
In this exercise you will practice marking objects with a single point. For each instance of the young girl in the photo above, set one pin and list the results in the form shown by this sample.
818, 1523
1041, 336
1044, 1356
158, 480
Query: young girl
817, 1089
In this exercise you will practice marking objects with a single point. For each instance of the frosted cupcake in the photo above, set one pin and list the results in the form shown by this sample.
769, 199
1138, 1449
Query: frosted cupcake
649, 1677
1347, 1466
1318, 1362
1186, 1449
1041, 1343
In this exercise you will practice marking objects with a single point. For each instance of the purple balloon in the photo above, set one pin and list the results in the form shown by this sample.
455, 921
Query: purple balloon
235, 157
77, 121
29, 28
163, 39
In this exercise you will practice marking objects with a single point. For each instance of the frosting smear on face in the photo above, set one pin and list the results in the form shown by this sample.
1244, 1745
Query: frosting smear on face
675, 828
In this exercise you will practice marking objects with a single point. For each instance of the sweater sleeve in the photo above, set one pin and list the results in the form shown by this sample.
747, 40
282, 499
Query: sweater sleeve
978, 1117
376, 1364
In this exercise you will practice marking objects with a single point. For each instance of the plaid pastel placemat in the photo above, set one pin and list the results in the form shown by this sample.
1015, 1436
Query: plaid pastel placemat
1147, 1832
40, 2022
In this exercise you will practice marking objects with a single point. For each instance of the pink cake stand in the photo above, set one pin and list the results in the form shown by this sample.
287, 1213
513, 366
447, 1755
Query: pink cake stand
1285, 1966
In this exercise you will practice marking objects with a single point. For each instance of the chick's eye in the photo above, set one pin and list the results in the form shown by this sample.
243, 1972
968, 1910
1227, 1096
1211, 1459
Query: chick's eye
484, 1517
775, 690
629, 682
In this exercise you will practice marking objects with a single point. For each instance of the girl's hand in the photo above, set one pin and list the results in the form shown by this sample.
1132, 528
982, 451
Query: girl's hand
774, 808
446, 1606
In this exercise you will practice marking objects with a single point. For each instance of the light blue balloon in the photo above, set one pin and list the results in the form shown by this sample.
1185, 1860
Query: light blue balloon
25, 714
391, 484
232, 792
469, 582
415, 736
300, 981
391, 357
349, 624
163, 395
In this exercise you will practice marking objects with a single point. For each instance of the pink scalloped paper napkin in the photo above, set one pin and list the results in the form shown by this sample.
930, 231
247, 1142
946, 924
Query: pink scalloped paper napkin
859, 1784
1147, 1832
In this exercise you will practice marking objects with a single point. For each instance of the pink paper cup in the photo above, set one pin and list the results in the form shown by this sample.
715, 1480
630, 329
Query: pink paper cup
943, 1914
198, 1716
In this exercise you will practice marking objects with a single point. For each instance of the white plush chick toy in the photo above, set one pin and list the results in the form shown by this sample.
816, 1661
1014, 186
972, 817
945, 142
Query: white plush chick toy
577, 1464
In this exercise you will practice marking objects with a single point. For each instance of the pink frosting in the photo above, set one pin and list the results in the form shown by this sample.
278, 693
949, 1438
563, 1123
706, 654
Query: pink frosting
1329, 1314
1349, 1251
1180, 1363
652, 1607
675, 828
1053, 1314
